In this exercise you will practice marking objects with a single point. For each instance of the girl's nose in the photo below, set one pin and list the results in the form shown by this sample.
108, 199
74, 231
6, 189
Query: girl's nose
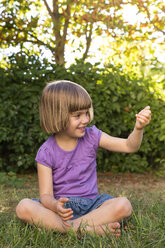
85, 119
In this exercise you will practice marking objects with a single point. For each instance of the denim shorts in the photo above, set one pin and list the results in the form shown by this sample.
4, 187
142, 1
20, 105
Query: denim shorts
81, 206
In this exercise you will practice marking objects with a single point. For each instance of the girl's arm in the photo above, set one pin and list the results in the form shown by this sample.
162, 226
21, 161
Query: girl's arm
46, 186
46, 193
133, 142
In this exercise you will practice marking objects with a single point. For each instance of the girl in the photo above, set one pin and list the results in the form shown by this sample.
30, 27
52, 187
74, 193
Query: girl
66, 165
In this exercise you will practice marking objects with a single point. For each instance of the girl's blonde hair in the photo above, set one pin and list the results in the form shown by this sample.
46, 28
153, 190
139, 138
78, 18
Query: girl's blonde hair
58, 100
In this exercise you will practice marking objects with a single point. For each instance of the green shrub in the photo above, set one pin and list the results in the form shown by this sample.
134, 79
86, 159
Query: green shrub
116, 100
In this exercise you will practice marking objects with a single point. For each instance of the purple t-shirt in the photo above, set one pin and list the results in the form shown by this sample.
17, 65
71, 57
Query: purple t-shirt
74, 172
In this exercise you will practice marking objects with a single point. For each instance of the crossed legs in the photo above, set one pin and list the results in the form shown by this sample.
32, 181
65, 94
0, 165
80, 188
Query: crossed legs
105, 217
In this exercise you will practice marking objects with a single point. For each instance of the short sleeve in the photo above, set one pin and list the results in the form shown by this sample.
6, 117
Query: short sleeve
94, 135
44, 157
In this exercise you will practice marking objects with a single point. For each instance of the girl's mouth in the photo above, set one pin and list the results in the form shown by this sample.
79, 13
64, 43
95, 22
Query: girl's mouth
81, 129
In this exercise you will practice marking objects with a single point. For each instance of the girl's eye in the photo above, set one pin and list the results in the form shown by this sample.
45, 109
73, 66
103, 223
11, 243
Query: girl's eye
87, 114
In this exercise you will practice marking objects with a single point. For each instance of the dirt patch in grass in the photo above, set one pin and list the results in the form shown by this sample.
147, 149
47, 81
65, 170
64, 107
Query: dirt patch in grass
139, 183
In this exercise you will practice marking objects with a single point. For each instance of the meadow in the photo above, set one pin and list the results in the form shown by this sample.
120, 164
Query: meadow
146, 229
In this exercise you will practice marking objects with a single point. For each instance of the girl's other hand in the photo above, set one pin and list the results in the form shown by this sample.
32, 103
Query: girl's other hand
143, 118
65, 213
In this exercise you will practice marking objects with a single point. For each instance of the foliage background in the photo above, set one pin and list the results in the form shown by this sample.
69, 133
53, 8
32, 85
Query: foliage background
116, 98
130, 76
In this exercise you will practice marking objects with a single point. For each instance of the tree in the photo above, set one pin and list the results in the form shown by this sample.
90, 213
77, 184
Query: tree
139, 52
25, 22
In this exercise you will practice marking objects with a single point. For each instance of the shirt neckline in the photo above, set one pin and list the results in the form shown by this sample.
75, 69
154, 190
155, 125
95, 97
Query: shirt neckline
59, 148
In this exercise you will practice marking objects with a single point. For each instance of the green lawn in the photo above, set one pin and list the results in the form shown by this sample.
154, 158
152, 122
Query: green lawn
146, 228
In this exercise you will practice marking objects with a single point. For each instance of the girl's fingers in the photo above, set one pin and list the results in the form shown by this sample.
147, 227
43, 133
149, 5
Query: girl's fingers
144, 113
65, 210
143, 119
63, 200
67, 218
66, 214
148, 107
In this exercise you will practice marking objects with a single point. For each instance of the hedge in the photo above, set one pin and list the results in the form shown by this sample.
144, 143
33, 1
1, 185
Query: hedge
116, 99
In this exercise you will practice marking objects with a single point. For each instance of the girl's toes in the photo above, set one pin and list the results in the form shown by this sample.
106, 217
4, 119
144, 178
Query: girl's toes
115, 228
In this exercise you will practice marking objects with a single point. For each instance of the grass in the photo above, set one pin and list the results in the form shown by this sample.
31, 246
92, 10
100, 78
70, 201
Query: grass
146, 228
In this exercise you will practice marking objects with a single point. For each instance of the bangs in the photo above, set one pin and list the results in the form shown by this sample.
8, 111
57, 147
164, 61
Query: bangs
79, 100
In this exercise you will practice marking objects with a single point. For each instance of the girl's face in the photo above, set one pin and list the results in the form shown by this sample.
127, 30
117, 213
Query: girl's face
77, 123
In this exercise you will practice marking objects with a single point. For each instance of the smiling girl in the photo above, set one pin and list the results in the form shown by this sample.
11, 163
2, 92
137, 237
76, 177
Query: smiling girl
66, 164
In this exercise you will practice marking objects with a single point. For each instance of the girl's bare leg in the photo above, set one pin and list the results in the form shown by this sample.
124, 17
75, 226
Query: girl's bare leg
111, 212
108, 213
35, 213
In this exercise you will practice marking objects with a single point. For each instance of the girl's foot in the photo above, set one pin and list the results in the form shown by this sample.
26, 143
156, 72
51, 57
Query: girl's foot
111, 228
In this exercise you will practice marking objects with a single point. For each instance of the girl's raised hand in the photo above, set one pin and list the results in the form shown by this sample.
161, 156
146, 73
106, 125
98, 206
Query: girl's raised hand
143, 118
64, 213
